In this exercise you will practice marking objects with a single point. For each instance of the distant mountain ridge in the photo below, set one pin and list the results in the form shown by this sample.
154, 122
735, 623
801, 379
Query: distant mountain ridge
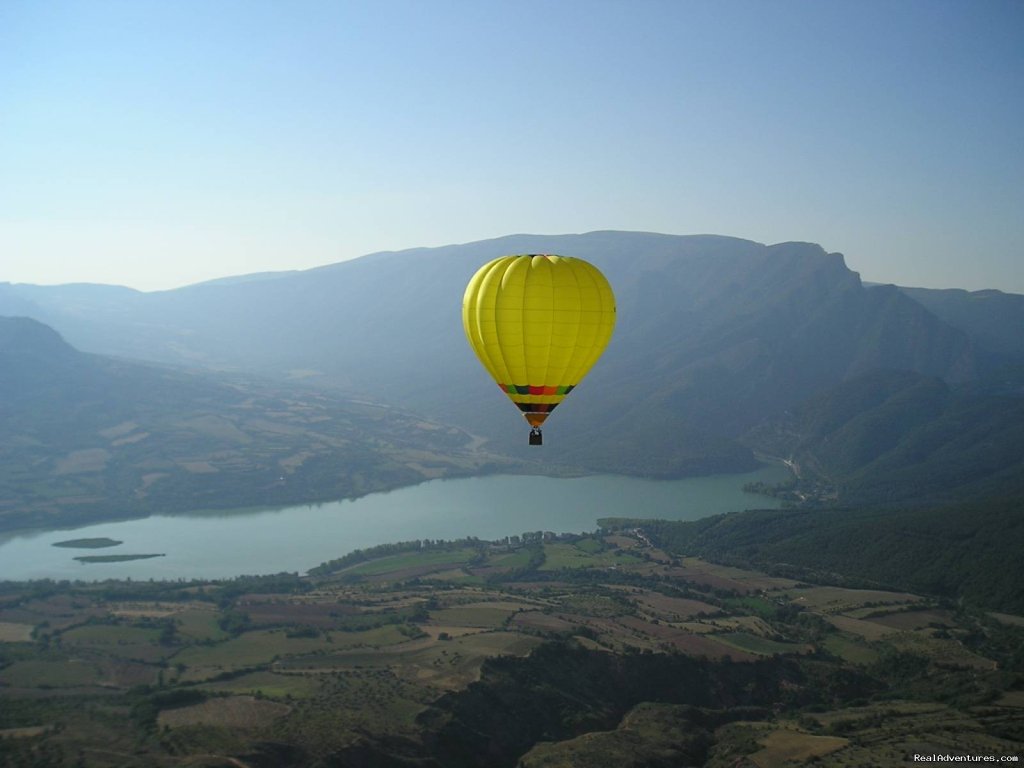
993, 318
715, 335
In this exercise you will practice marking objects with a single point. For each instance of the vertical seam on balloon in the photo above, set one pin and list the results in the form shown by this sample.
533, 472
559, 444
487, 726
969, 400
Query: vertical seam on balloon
527, 281
481, 346
579, 358
498, 265
576, 335
607, 294
590, 358
509, 265
522, 321
551, 268
505, 266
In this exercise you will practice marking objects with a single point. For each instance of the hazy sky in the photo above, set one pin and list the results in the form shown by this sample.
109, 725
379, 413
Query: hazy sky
155, 144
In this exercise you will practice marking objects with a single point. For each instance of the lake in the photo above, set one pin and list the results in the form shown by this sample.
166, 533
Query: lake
293, 539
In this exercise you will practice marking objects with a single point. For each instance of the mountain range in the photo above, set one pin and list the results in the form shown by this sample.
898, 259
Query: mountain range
716, 338
88, 436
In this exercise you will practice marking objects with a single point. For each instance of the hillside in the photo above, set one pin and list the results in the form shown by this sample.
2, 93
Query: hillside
897, 437
714, 335
89, 437
962, 553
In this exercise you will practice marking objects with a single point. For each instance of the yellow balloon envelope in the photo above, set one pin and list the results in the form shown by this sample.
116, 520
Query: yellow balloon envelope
538, 323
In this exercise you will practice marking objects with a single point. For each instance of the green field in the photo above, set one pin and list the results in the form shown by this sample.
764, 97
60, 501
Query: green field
849, 649
109, 635
271, 684
591, 545
456, 576
759, 645
485, 615
49, 674
200, 625
844, 600
518, 559
766, 609
118, 641
558, 556
411, 560
251, 649
15, 632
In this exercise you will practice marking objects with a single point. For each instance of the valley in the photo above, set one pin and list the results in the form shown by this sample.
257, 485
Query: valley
511, 384
725, 349
602, 645
877, 616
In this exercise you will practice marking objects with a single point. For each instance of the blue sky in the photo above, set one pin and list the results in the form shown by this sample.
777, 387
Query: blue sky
155, 144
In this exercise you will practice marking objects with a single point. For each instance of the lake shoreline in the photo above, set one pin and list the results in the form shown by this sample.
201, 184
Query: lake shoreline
554, 473
214, 544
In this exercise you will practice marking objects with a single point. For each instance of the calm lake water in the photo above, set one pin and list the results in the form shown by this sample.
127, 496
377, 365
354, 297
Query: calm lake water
294, 539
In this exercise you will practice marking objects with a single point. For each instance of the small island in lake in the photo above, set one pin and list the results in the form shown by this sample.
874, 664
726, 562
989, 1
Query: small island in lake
97, 543
114, 558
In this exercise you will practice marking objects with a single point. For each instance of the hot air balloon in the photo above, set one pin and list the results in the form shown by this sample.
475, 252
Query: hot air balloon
538, 322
